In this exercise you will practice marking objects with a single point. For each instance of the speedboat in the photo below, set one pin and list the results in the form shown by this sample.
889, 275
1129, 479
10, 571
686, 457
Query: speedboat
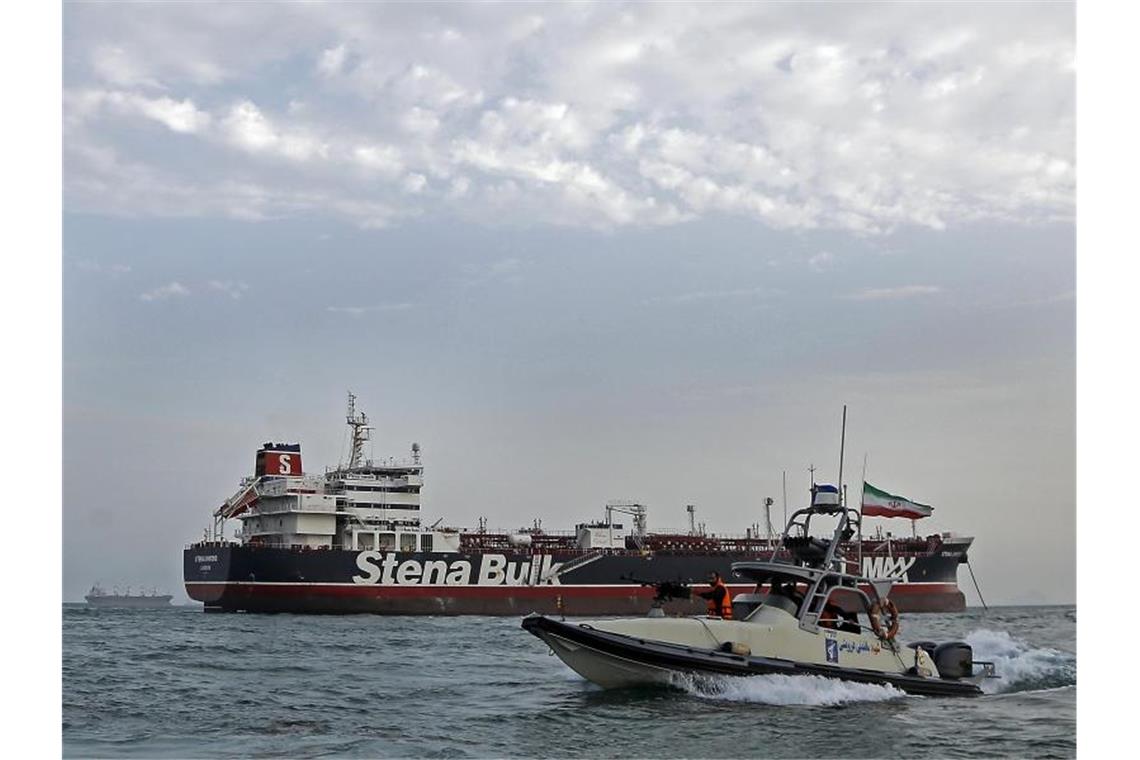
806, 616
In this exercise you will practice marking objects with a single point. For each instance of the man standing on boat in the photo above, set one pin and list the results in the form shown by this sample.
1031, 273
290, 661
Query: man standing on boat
720, 601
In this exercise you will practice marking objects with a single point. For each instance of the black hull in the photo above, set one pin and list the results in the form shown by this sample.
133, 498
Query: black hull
689, 661
232, 578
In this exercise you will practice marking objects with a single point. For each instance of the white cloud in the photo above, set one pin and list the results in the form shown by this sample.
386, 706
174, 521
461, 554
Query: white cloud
421, 121
332, 60
382, 158
431, 87
821, 261
234, 290
118, 67
180, 116
248, 128
612, 115
165, 292
414, 184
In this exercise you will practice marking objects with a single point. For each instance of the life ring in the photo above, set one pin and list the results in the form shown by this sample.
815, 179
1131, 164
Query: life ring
877, 610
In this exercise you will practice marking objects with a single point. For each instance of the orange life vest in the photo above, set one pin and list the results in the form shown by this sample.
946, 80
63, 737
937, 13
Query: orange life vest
724, 609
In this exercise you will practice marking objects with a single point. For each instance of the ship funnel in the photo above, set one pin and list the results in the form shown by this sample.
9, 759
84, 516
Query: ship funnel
278, 459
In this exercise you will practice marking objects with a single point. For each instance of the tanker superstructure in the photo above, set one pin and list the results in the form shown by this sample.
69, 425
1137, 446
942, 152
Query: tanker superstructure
352, 540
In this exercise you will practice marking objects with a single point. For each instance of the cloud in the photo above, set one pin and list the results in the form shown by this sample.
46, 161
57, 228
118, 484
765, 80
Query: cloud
890, 294
358, 311
821, 261
165, 292
234, 290
381, 158
601, 116
178, 115
118, 67
249, 129
414, 183
332, 60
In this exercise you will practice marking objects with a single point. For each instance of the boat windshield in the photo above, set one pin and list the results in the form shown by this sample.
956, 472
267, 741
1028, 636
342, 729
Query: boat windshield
785, 603
785, 595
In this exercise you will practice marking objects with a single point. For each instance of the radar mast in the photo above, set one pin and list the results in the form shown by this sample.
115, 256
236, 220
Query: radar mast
361, 431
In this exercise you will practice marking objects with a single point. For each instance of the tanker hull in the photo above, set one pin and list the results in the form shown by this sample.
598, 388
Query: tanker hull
233, 578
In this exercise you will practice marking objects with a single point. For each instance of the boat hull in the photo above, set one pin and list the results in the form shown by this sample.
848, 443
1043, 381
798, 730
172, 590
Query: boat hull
328, 581
614, 660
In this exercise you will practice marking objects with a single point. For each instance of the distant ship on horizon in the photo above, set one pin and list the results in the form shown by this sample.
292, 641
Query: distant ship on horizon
100, 597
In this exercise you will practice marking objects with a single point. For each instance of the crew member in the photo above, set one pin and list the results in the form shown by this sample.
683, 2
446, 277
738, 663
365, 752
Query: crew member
720, 601
850, 622
830, 616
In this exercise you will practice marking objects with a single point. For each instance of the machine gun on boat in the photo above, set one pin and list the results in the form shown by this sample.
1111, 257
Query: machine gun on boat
665, 591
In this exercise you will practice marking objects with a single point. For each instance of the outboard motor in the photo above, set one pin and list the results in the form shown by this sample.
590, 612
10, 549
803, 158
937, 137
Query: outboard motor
954, 660
926, 646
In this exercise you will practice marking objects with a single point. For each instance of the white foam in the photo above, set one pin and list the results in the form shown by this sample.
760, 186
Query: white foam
786, 690
1020, 666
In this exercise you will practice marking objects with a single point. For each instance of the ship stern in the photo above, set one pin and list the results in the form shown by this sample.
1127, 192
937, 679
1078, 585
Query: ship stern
206, 571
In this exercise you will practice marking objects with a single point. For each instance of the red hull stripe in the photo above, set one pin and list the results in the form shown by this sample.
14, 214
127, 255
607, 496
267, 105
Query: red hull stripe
521, 592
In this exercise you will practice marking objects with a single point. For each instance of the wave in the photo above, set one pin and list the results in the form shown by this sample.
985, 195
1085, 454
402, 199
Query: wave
1021, 666
814, 691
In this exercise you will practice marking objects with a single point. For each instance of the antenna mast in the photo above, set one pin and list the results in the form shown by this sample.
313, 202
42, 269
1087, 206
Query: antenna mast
784, 477
768, 501
842, 441
862, 491
361, 430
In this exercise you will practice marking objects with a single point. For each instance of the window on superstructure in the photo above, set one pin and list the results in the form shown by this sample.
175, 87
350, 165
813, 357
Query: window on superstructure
426, 542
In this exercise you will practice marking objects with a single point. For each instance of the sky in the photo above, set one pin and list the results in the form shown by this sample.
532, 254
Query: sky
578, 253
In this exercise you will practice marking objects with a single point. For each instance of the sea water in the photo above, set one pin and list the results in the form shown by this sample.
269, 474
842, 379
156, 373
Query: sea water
181, 683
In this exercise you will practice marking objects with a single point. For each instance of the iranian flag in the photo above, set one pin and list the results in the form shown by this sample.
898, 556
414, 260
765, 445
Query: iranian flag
879, 503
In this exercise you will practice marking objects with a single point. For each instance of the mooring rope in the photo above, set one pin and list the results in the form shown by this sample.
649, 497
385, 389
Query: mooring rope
976, 588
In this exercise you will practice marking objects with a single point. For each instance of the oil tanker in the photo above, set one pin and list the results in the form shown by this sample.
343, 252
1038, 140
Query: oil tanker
350, 540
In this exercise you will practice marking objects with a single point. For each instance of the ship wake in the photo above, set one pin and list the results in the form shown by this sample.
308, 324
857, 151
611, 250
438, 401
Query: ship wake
1022, 667
811, 691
